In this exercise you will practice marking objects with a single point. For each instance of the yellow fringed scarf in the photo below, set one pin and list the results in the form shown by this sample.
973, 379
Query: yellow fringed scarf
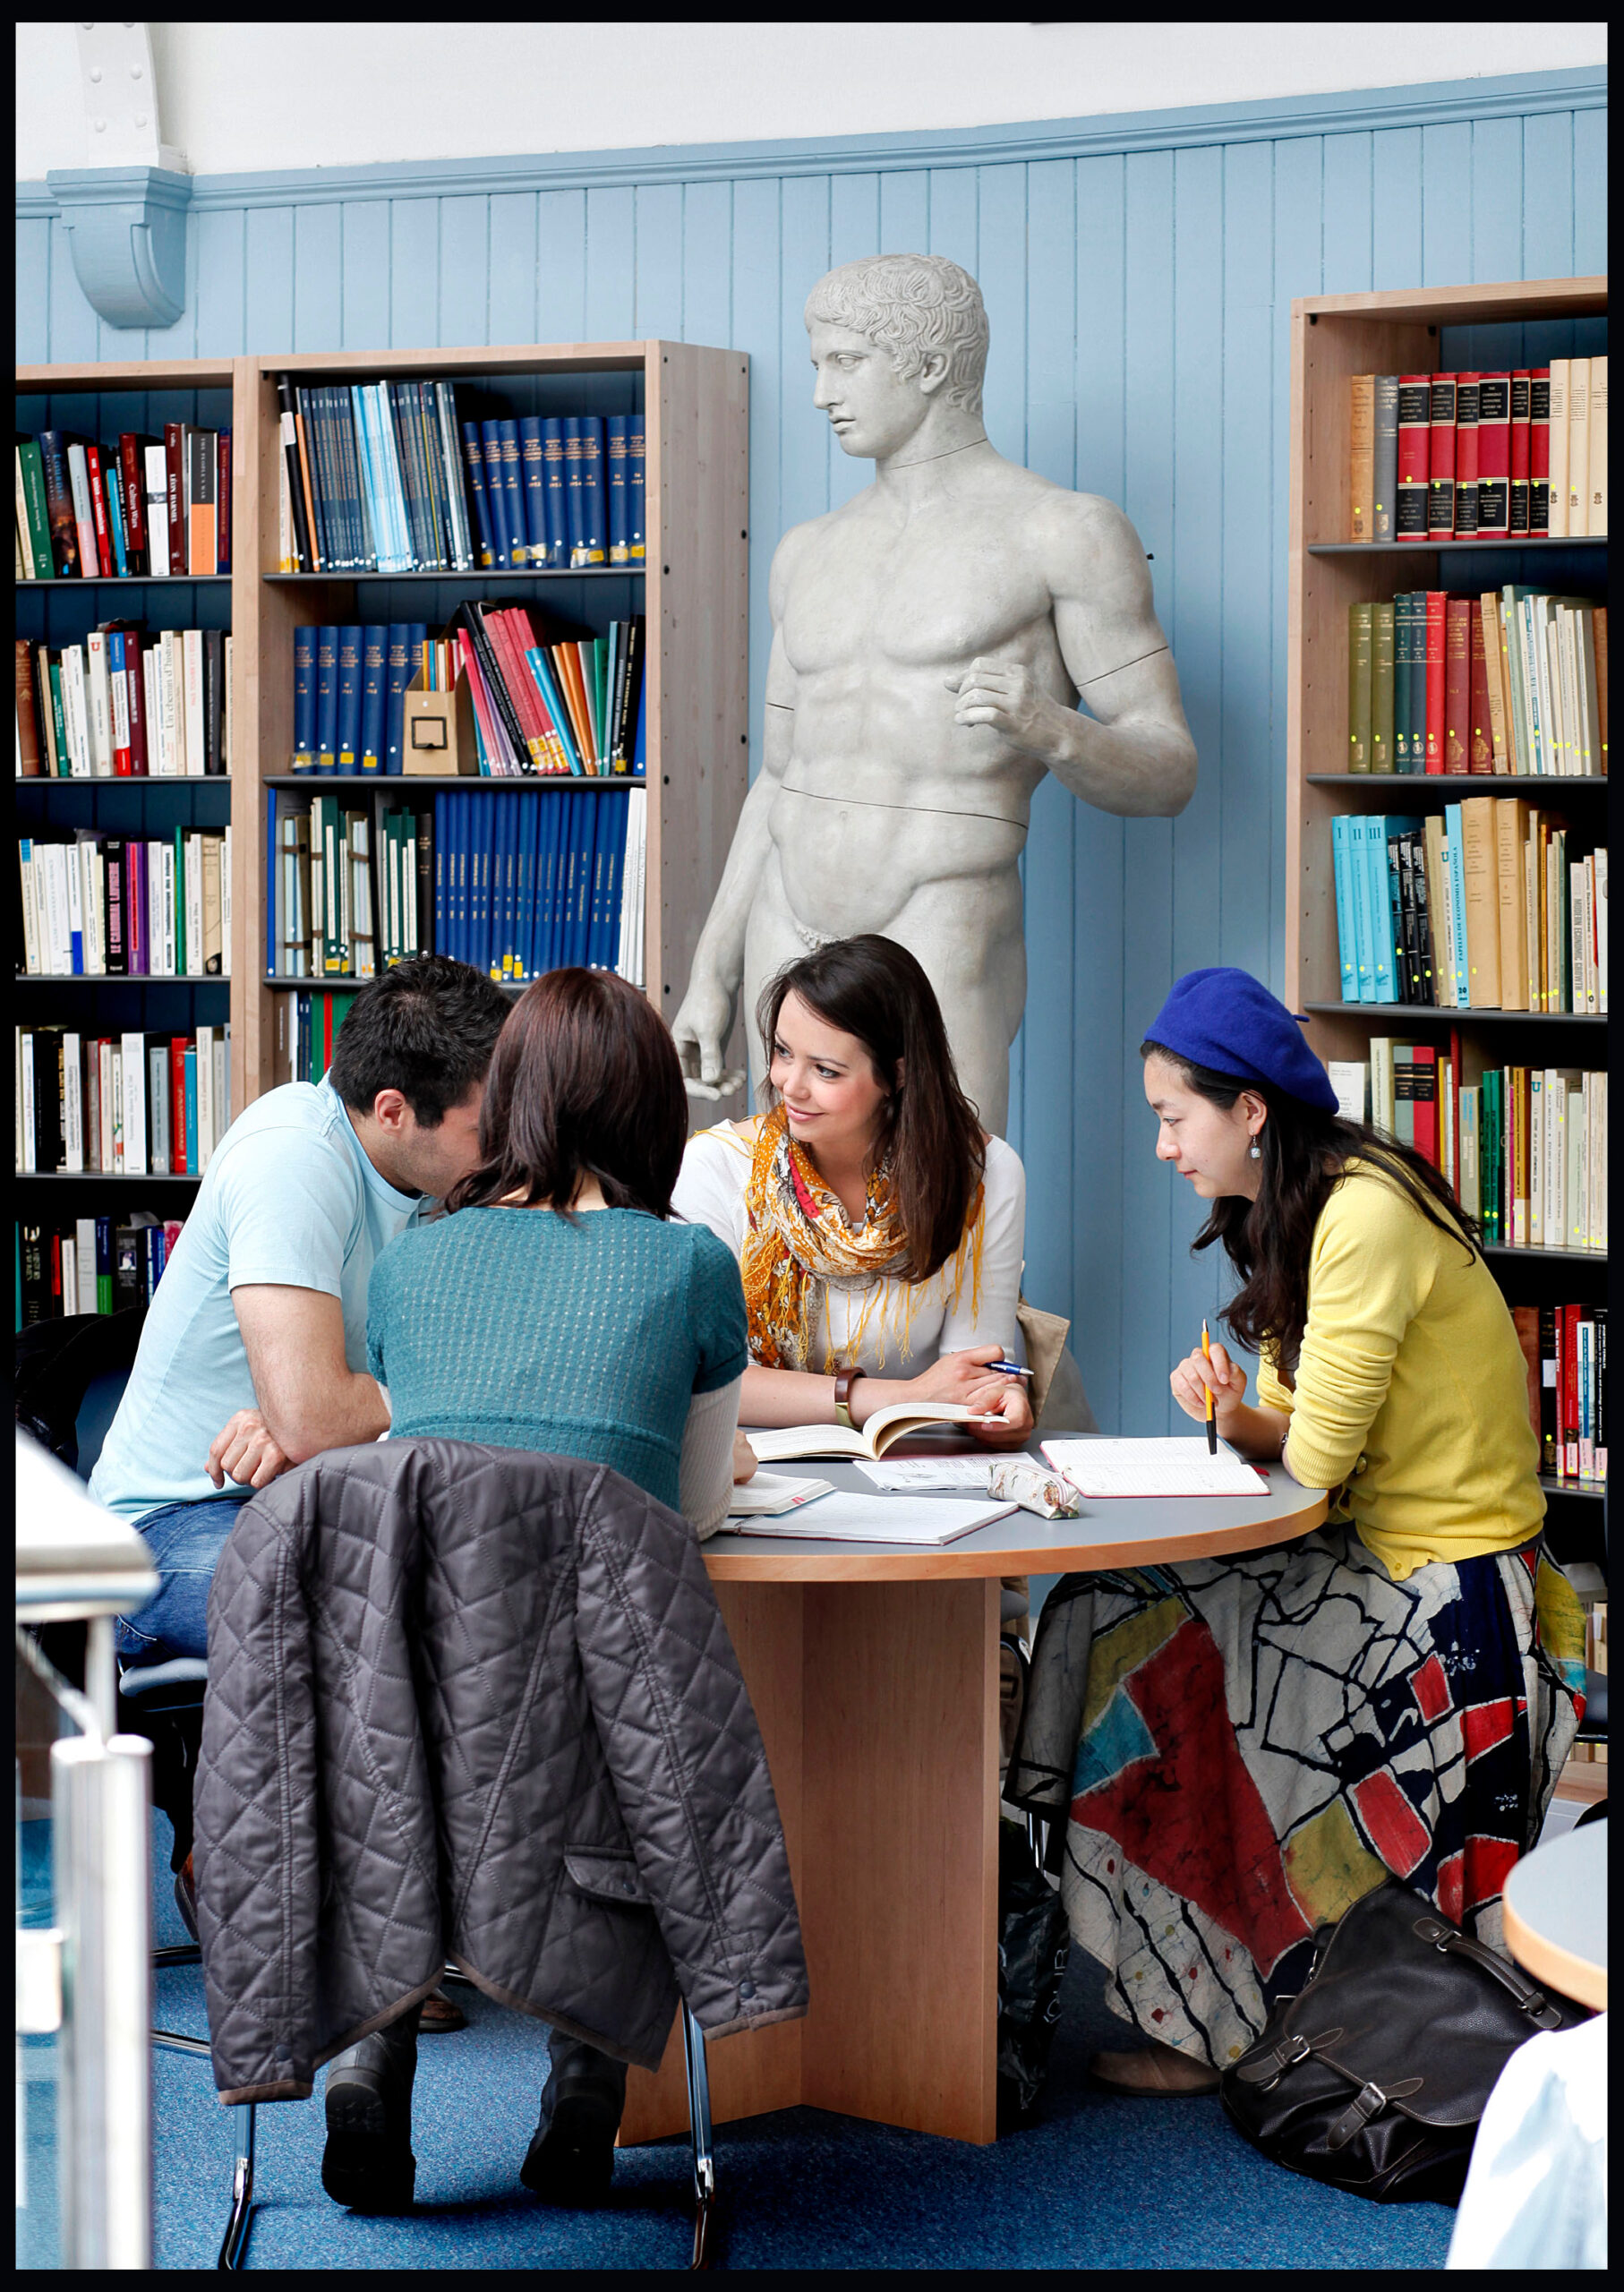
797, 1237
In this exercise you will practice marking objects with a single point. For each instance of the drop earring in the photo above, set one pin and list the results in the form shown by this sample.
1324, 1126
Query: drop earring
1254, 1152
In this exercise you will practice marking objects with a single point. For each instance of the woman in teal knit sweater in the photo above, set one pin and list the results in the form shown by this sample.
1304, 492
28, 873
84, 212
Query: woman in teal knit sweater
555, 1307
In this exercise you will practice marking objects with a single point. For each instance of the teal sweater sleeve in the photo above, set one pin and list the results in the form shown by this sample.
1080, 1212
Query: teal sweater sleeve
717, 1312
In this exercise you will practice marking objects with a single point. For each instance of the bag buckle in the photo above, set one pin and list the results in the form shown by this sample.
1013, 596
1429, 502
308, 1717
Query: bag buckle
1366, 2103
1267, 2070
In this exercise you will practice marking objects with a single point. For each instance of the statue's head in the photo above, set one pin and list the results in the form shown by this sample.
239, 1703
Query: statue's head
924, 316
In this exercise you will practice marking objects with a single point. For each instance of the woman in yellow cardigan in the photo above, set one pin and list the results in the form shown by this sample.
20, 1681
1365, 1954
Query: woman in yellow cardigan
1244, 1747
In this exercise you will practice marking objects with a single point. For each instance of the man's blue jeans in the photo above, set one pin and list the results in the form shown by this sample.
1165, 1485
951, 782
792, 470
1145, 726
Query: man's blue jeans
185, 1540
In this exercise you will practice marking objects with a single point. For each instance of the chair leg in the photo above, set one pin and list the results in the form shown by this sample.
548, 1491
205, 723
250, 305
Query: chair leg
699, 2122
236, 2238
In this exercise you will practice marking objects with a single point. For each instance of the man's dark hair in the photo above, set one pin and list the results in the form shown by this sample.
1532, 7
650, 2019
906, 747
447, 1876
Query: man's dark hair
426, 1028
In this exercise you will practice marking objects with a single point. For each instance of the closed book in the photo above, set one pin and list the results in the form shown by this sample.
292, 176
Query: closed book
28, 714
347, 716
1457, 685
555, 508
222, 501
155, 487
304, 698
614, 447
101, 531
31, 465
534, 475
1596, 521
595, 529
327, 698
1455, 889
84, 522
1466, 394
1441, 456
213, 650
135, 703
1510, 833
115, 514
1579, 448
1359, 691
1361, 456
452, 466
574, 508
59, 503
1418, 680
288, 444
1489, 638
1521, 419
1493, 455
1480, 739
1347, 943
1402, 605
518, 546
635, 488
496, 494
1383, 890
118, 702
175, 497
1436, 679
473, 462
1480, 865
374, 646
1539, 453
1435, 845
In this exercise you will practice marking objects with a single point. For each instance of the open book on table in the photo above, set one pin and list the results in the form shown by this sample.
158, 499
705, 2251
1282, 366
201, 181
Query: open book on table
777, 1444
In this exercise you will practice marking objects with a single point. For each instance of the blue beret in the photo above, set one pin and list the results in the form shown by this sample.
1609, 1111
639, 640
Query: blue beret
1227, 1020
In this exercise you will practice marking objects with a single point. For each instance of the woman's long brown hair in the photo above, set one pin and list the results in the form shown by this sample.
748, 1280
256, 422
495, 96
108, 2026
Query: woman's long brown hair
871, 987
1303, 1154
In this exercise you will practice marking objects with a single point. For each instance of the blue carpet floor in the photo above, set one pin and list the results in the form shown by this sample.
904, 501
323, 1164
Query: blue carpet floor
1100, 2182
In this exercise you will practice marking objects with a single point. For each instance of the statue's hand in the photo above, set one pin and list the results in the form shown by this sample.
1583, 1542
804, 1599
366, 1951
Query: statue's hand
700, 1029
1006, 697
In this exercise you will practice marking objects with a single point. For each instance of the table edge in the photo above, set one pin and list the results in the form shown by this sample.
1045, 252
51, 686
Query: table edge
1547, 1961
845, 1563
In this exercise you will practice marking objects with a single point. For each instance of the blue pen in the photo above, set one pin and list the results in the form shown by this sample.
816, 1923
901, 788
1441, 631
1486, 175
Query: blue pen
1009, 1368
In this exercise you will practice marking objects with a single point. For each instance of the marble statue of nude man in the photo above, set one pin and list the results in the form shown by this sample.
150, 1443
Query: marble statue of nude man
931, 640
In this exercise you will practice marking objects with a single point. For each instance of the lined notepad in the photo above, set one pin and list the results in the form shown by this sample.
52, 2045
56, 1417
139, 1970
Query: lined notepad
1165, 1468
844, 1518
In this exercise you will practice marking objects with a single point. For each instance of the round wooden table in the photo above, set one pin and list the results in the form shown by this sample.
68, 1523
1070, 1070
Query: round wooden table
874, 1672
1556, 1915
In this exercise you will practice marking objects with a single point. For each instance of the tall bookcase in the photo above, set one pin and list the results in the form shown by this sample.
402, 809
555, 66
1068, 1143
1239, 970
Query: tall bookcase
692, 586
98, 401
1435, 330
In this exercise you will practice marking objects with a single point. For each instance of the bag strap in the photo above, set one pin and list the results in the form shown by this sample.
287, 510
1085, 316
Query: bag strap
1531, 2000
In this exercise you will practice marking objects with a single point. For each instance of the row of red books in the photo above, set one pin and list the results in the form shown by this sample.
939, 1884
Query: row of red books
1479, 456
146, 508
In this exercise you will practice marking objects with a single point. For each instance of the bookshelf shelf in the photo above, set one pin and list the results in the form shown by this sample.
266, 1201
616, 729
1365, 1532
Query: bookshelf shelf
1419, 1012
1333, 339
407, 781
475, 577
66, 586
121, 979
1452, 786
1499, 543
104, 1179
1594, 1490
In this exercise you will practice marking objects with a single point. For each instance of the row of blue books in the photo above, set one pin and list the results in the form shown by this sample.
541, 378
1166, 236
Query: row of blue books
525, 882
383, 477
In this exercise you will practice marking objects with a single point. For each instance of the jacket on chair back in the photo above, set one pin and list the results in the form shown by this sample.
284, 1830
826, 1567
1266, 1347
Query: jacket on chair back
478, 1705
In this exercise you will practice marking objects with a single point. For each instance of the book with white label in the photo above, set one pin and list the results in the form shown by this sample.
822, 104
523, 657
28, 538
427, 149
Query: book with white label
767, 1494
1174, 1466
777, 1444
842, 1517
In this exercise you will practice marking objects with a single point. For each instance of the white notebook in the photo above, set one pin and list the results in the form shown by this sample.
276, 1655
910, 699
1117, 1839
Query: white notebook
765, 1493
1174, 1466
846, 1518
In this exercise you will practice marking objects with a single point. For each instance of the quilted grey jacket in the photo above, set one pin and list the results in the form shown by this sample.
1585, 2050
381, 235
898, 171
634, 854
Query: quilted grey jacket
478, 1705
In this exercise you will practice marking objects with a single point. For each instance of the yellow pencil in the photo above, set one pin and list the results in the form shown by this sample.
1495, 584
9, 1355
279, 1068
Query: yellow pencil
1211, 1420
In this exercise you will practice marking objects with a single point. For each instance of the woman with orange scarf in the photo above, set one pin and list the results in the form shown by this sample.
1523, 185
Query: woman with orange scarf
879, 1231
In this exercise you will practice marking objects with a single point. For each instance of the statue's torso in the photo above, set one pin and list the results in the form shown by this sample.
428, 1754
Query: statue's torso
884, 792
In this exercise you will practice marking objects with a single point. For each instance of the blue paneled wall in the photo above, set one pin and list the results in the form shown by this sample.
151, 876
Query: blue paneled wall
1139, 273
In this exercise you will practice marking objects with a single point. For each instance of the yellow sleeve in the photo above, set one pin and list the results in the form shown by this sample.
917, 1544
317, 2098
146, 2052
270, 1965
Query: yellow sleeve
1371, 1269
1271, 1393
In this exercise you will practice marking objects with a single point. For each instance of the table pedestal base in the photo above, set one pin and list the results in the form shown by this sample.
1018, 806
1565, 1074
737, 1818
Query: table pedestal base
879, 1705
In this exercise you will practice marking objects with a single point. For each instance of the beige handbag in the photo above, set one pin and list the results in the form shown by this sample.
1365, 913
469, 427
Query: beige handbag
1045, 1335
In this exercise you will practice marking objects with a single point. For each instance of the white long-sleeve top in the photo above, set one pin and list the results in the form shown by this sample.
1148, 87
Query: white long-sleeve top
907, 1325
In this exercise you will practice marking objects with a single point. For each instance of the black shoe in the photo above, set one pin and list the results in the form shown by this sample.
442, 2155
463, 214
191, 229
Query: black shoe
368, 2163
571, 2157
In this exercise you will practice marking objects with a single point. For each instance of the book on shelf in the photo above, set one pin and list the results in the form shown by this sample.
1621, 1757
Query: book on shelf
95, 906
128, 702
90, 1265
515, 882
1566, 1350
1511, 681
1525, 1148
1494, 905
84, 509
1519, 453
545, 698
130, 1104
391, 476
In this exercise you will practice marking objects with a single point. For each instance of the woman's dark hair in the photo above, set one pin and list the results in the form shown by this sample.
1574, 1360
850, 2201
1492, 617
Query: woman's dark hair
584, 1083
1303, 1152
426, 1028
871, 987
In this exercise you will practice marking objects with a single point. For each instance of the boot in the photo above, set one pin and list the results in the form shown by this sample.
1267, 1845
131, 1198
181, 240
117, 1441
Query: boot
571, 2156
368, 2162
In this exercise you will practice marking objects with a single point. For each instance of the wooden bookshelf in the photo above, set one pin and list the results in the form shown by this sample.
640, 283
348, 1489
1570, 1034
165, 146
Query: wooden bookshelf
1332, 339
693, 587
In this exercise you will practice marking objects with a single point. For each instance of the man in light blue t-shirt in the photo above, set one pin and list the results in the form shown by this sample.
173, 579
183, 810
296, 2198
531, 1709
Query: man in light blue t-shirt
253, 1354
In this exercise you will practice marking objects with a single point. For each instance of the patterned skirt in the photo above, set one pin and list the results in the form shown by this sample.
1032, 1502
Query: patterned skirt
1244, 1747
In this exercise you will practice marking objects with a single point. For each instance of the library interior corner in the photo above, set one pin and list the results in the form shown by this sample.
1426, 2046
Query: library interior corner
811, 1221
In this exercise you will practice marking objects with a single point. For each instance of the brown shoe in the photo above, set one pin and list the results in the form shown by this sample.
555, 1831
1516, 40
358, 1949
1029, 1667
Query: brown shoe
1157, 2072
439, 2016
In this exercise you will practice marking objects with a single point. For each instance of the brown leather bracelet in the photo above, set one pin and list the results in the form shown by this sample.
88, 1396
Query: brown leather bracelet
844, 1379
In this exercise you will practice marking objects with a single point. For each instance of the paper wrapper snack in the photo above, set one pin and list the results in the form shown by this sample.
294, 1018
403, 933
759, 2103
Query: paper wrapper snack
1019, 1480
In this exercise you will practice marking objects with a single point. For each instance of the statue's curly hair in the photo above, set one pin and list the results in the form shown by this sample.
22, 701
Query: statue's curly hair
911, 304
